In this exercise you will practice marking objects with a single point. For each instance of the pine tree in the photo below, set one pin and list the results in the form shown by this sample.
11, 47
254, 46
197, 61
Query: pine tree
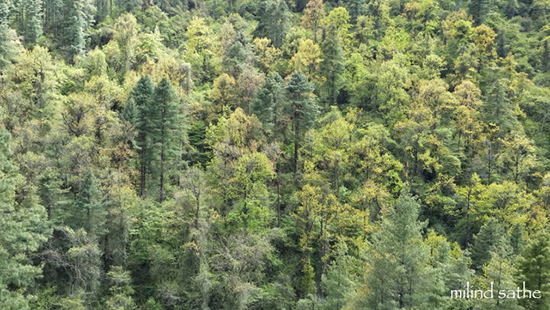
450, 268
53, 16
479, 10
268, 101
356, 8
167, 126
489, 236
399, 276
130, 112
23, 228
498, 108
302, 109
33, 22
121, 290
52, 194
125, 35
5, 12
89, 209
7, 36
144, 123
341, 278
306, 218
517, 238
500, 271
74, 24
332, 65
534, 270
274, 19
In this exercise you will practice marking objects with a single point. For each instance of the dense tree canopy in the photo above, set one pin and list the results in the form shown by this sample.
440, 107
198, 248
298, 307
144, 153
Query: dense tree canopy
274, 154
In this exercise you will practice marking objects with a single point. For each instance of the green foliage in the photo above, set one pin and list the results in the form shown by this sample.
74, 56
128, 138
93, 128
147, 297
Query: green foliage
33, 22
301, 107
73, 28
250, 154
490, 237
89, 206
269, 102
166, 135
141, 98
332, 65
533, 269
273, 22
23, 228
8, 41
398, 274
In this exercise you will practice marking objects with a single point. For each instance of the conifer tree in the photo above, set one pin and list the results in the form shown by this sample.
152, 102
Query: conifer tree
306, 219
341, 278
7, 36
534, 270
167, 125
517, 238
269, 101
75, 17
273, 21
121, 290
332, 65
499, 272
89, 211
302, 109
144, 123
130, 112
399, 276
51, 193
53, 16
479, 10
33, 22
72, 38
23, 228
489, 236
498, 108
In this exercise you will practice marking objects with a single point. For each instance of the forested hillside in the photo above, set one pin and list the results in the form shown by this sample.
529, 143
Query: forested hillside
273, 154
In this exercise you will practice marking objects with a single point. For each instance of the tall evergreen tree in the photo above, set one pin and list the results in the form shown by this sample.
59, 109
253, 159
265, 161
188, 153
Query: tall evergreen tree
356, 8
499, 273
534, 270
23, 228
52, 194
142, 98
399, 276
53, 17
517, 238
498, 107
33, 22
167, 126
479, 10
302, 109
269, 100
332, 65
273, 21
490, 235
74, 24
7, 36
89, 209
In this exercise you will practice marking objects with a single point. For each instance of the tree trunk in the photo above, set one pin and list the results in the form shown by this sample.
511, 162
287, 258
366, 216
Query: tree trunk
295, 159
278, 201
142, 176
162, 158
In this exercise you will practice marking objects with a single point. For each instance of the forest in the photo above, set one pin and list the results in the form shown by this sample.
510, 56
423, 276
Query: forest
274, 154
